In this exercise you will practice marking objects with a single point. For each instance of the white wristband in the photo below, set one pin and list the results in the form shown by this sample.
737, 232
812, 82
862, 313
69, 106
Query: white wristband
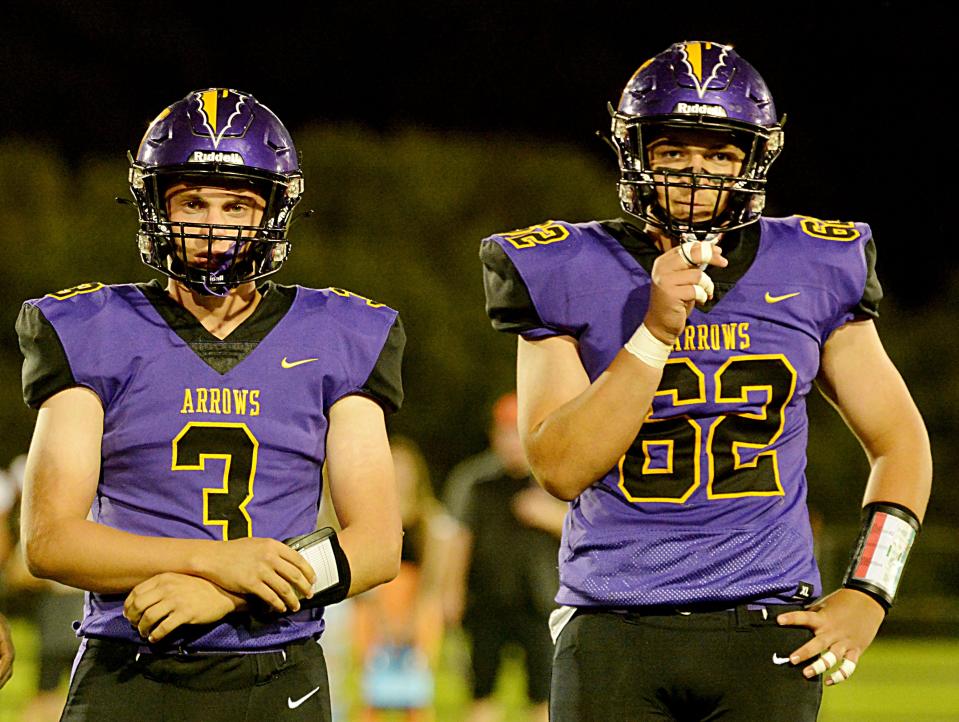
647, 348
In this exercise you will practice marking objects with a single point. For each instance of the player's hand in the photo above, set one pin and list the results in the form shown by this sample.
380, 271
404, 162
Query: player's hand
265, 568
677, 284
844, 623
166, 601
7, 652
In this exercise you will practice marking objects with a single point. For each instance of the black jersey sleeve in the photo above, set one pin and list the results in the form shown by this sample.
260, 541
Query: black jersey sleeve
508, 303
868, 306
46, 369
385, 382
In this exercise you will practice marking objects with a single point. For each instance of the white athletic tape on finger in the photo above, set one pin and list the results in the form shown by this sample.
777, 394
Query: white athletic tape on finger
705, 252
704, 288
707, 283
844, 672
825, 661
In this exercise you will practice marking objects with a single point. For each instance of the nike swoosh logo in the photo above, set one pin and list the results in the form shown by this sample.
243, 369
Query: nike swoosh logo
290, 364
779, 660
293, 705
776, 299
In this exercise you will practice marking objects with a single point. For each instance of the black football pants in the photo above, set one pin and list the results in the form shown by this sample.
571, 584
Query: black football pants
718, 665
111, 683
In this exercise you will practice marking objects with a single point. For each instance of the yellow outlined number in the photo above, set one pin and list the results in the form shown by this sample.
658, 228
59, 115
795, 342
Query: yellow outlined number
829, 230
734, 432
75, 291
644, 478
541, 235
349, 294
235, 445
728, 475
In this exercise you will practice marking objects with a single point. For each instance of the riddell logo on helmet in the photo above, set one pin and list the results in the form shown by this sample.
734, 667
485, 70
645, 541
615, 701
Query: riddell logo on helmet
700, 109
202, 156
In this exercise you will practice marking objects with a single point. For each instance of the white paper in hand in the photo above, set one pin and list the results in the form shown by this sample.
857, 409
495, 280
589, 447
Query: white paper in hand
321, 558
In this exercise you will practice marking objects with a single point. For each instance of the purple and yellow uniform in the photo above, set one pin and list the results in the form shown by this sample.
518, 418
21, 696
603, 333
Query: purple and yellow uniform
708, 504
206, 438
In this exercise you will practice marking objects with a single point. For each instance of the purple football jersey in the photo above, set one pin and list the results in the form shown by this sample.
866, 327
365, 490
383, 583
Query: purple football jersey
709, 503
189, 452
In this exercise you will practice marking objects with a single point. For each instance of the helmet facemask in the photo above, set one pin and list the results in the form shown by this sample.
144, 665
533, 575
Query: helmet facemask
254, 252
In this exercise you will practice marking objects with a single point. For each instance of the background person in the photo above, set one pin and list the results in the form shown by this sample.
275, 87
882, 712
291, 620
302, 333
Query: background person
52, 607
501, 563
399, 625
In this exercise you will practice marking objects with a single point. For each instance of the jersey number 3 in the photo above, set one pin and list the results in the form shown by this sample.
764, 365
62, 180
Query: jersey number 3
665, 462
223, 506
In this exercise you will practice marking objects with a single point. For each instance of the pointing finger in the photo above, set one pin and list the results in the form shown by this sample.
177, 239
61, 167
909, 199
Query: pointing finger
700, 253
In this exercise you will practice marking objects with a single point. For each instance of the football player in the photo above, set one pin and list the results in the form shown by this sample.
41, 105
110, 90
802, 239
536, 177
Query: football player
663, 364
183, 428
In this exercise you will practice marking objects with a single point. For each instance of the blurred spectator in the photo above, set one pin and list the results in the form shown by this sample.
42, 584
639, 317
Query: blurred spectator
8, 498
399, 625
9, 501
501, 564
6, 651
52, 607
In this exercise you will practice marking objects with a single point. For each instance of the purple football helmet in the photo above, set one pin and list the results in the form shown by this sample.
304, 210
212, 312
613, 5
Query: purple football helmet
702, 86
216, 137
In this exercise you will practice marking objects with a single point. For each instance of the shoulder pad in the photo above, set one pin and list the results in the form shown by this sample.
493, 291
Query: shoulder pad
74, 291
332, 293
556, 236
836, 231
345, 305
80, 301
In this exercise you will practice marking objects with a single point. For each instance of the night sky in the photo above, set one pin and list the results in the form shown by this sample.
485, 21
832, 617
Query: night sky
864, 84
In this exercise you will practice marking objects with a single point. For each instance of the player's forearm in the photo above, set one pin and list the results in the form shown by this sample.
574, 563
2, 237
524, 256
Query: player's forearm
584, 438
373, 552
91, 556
902, 468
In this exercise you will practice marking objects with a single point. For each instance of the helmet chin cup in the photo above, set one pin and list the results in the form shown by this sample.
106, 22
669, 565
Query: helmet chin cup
201, 284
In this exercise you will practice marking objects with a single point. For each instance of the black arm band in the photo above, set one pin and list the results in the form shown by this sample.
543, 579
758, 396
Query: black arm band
322, 550
887, 534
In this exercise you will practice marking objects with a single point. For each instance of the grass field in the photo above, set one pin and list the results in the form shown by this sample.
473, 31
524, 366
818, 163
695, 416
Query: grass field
899, 680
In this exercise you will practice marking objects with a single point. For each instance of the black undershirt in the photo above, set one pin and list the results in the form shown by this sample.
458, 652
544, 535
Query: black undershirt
222, 355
